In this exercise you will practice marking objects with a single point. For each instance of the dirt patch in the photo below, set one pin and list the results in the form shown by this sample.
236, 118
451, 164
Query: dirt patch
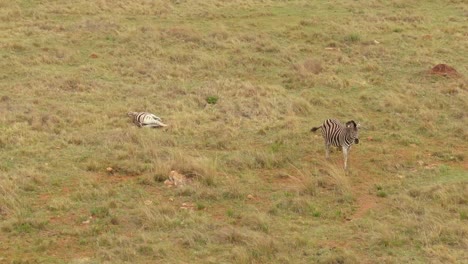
364, 200
365, 203
444, 70
465, 165
44, 197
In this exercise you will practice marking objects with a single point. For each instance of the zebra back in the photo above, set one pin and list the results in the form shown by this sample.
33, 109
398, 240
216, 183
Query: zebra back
337, 134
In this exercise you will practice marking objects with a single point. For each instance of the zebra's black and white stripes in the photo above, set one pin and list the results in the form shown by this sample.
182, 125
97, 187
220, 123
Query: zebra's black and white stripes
336, 134
144, 119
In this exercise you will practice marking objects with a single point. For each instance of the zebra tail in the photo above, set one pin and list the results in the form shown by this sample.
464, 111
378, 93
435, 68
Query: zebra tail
315, 129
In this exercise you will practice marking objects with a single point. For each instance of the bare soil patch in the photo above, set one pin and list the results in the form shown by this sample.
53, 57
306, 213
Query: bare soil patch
365, 203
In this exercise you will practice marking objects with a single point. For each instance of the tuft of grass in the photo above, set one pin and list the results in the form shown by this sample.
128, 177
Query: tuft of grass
99, 211
448, 156
382, 193
334, 178
212, 99
27, 226
298, 206
200, 206
240, 84
352, 38
463, 215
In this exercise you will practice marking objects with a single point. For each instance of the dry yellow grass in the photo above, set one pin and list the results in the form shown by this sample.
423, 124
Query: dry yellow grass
240, 84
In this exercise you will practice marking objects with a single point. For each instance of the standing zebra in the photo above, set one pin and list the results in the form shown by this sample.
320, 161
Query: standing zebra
144, 119
336, 134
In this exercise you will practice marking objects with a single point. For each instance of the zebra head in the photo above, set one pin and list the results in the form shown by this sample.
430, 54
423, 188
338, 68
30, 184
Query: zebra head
132, 114
353, 130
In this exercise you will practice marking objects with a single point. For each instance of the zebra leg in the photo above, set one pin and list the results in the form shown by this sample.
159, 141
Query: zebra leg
327, 150
345, 156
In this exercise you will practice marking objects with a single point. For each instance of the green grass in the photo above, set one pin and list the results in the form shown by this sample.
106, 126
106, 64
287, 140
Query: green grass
240, 84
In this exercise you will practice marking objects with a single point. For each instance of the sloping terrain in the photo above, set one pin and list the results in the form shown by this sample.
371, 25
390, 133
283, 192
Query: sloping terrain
240, 84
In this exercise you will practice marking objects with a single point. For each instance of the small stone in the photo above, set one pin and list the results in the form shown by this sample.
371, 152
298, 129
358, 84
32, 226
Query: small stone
148, 202
250, 197
109, 169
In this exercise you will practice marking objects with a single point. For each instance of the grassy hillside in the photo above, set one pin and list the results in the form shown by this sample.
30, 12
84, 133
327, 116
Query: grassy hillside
240, 84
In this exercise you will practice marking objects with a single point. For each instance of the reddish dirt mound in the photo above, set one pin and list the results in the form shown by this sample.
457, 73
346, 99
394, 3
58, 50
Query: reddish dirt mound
444, 70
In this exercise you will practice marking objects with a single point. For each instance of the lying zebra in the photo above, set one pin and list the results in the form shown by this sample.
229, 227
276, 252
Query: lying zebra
144, 119
336, 134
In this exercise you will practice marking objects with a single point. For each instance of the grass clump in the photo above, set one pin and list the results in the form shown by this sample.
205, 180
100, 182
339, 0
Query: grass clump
100, 211
240, 84
27, 226
382, 194
463, 215
352, 38
212, 100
